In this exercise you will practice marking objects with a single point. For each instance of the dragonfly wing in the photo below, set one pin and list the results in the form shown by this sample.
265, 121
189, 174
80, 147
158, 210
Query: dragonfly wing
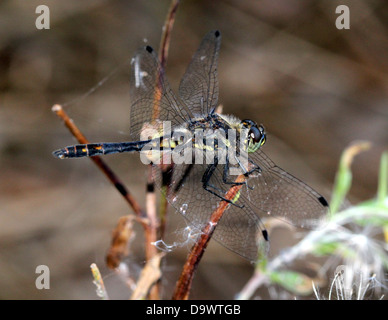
150, 94
276, 193
239, 229
271, 193
199, 85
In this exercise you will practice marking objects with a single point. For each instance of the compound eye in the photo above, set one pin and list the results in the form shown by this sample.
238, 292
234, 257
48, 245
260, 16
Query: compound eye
255, 134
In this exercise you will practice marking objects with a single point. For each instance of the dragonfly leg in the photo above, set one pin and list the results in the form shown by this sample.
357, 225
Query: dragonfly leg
255, 168
226, 174
246, 173
207, 186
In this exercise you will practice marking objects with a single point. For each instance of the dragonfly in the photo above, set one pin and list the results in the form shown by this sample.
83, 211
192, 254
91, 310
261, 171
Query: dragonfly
196, 186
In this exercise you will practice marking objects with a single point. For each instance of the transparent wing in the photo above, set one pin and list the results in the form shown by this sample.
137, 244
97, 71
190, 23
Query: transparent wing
199, 85
239, 228
150, 94
272, 192
276, 193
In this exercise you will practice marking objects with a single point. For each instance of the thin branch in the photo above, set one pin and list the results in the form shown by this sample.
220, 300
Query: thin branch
113, 178
183, 286
149, 221
150, 189
166, 36
149, 275
151, 211
163, 54
100, 287
257, 279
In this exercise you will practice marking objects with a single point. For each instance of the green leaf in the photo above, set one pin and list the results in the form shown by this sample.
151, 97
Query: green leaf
332, 248
326, 248
383, 180
343, 179
293, 281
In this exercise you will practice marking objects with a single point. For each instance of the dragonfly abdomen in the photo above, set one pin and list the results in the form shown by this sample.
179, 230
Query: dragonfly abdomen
97, 149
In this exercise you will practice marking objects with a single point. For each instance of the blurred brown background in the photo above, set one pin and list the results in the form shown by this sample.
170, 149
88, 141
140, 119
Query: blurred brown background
282, 63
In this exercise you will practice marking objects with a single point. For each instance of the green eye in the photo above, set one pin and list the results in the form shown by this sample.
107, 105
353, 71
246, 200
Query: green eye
256, 138
256, 135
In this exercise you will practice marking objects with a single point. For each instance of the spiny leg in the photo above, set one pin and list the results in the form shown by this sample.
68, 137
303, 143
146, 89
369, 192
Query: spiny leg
226, 174
246, 173
206, 185
256, 168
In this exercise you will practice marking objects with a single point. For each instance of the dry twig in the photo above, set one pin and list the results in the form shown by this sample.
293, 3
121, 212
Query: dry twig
182, 288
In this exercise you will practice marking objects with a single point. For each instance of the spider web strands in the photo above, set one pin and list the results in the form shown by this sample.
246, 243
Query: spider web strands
183, 286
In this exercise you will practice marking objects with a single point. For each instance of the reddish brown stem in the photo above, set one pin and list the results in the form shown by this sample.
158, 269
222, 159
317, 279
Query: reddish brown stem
163, 53
150, 195
113, 178
183, 286
166, 36
149, 224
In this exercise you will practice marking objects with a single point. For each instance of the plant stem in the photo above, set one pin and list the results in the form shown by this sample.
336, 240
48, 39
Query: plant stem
382, 190
113, 178
150, 189
183, 286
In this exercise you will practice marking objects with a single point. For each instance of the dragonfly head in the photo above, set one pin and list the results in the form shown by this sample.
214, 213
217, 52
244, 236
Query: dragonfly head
256, 135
